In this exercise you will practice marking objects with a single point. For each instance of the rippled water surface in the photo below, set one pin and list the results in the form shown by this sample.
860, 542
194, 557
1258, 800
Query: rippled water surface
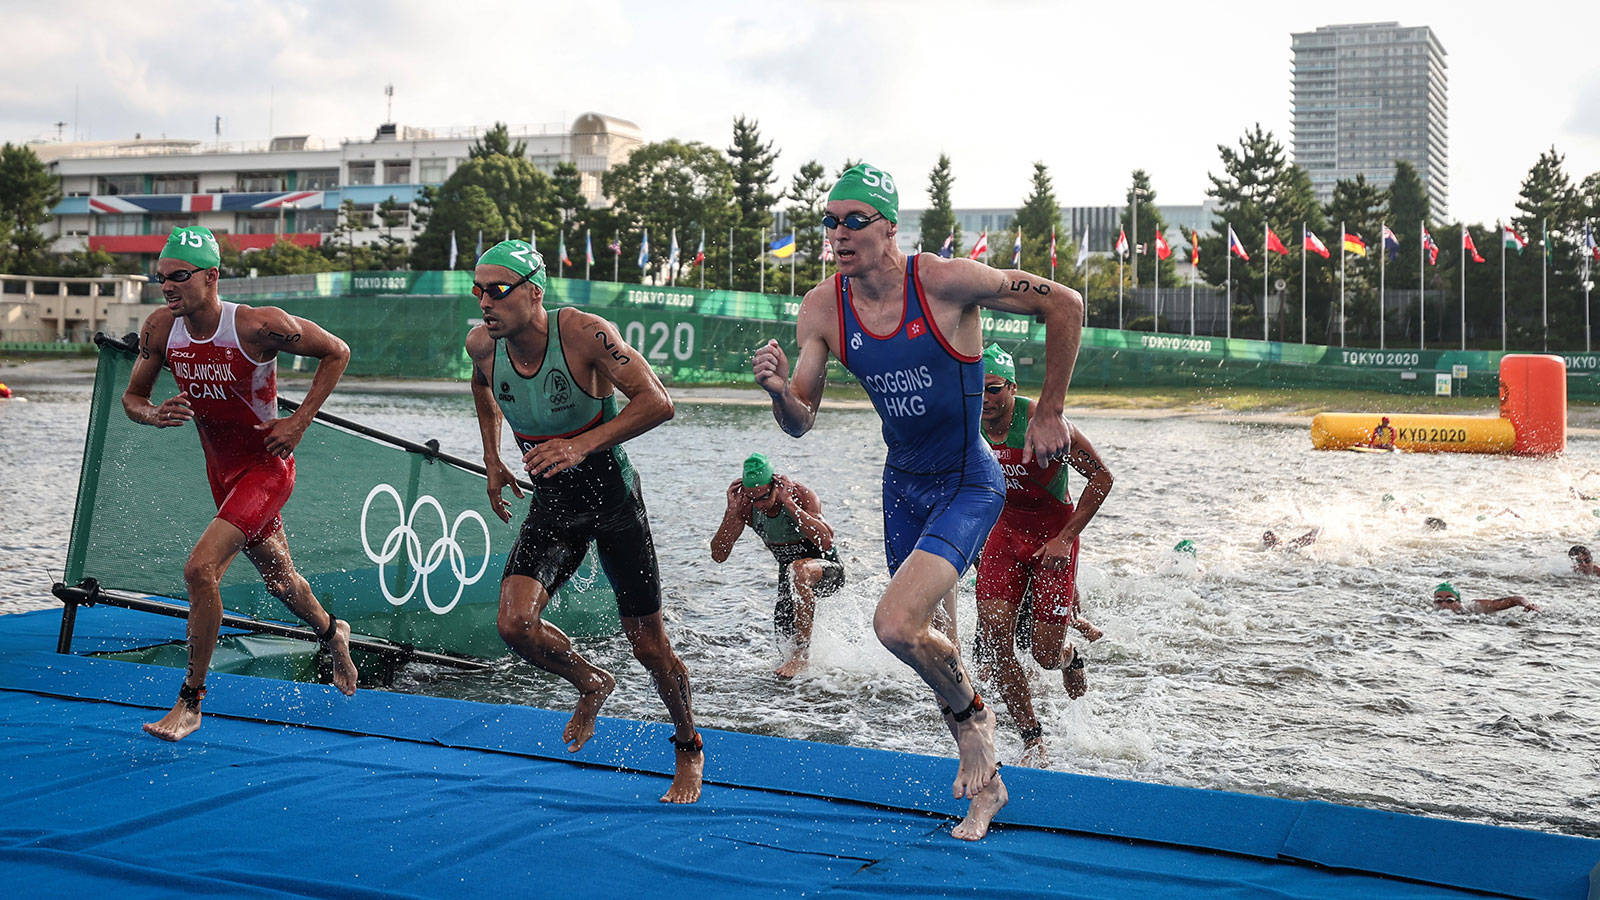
1320, 673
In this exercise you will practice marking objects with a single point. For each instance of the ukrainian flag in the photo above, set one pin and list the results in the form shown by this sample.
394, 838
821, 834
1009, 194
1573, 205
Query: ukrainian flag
783, 247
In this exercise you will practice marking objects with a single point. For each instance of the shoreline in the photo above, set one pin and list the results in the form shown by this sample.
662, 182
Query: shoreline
1254, 406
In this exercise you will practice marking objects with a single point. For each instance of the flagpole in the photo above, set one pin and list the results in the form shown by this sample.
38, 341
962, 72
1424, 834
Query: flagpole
1194, 274
1383, 258
616, 255
1303, 255
761, 260
1341, 282
1052, 254
1157, 325
1422, 285
794, 254
1502, 287
1463, 285
1119, 292
1266, 266
1544, 279
1228, 308
588, 253
702, 262
1588, 259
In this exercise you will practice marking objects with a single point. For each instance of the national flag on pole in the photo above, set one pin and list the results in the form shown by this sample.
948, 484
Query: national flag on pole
1391, 243
1194, 248
783, 247
1588, 241
980, 248
533, 239
588, 248
615, 246
1430, 246
1315, 245
1162, 250
1052, 248
1235, 246
827, 249
672, 250
1513, 240
1468, 247
644, 249
478, 254
1354, 245
452, 251
561, 250
1016, 251
1122, 243
699, 255
948, 248
1275, 245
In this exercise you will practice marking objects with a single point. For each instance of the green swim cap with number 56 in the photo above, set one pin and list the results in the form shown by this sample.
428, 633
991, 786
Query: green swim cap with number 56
869, 185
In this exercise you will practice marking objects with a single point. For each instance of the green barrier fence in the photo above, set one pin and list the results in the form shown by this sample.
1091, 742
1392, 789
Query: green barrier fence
413, 324
399, 543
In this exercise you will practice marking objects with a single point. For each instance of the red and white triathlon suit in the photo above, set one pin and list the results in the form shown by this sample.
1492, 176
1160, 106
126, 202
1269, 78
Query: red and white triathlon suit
230, 394
1037, 508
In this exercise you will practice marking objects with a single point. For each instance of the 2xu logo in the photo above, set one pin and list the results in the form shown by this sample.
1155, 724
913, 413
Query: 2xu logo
446, 548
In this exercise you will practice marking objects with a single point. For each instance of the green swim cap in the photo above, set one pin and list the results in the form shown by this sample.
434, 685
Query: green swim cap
871, 186
1448, 588
519, 257
757, 471
996, 361
195, 245
1186, 546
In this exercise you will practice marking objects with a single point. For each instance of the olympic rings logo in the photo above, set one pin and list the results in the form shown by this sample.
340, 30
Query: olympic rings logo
446, 548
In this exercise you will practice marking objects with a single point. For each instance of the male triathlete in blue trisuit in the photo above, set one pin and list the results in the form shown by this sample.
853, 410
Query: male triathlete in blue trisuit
908, 329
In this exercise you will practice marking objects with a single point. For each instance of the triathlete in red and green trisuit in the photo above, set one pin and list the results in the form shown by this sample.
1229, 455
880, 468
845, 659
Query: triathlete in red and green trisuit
1033, 550
598, 499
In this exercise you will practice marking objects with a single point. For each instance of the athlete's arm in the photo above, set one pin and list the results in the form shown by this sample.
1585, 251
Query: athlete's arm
1502, 603
1087, 462
146, 366
795, 397
1059, 307
733, 519
802, 503
602, 357
480, 349
271, 330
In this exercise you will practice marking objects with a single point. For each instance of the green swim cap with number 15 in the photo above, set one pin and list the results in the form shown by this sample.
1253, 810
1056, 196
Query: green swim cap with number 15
195, 245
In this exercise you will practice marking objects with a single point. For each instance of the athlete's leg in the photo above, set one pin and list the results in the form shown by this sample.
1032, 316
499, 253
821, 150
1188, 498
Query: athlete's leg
202, 576
1002, 579
804, 574
522, 626
271, 558
653, 650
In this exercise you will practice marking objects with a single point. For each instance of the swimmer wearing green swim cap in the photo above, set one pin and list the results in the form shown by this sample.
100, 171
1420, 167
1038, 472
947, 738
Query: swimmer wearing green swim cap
909, 329
553, 376
1445, 596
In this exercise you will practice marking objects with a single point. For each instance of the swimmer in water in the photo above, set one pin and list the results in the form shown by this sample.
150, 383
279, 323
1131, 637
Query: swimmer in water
1445, 596
1272, 542
1582, 562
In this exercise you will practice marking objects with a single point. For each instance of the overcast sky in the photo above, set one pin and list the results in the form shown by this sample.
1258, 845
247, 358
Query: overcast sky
1093, 90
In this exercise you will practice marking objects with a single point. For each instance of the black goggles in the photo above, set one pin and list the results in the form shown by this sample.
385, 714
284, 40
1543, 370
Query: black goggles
497, 291
854, 221
178, 277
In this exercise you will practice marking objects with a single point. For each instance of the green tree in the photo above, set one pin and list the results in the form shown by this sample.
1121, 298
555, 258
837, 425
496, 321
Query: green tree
1038, 218
27, 192
1260, 187
939, 222
567, 193
1150, 221
84, 264
497, 142
751, 161
807, 196
522, 198
1550, 215
672, 185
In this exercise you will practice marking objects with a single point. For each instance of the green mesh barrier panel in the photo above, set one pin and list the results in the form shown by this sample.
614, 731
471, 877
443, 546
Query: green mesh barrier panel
400, 544
413, 323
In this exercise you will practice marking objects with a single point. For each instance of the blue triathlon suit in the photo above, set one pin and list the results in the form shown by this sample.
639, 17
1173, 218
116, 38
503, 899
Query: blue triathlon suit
942, 488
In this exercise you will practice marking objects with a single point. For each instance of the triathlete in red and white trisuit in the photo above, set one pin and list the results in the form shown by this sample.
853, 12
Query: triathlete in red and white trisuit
224, 358
230, 395
1033, 549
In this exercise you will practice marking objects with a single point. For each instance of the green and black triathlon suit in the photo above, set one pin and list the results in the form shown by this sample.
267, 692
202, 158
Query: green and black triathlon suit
596, 500
782, 535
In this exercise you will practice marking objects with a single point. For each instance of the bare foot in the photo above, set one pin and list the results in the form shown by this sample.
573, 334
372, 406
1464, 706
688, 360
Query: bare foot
177, 724
1089, 632
686, 780
794, 665
1035, 756
344, 668
1073, 677
982, 810
980, 763
581, 726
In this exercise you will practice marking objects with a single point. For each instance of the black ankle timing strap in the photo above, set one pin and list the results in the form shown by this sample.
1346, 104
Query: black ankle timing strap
1031, 734
191, 696
975, 706
332, 630
694, 746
